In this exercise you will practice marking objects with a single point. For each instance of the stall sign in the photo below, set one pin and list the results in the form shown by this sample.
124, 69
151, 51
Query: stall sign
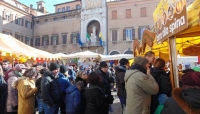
170, 17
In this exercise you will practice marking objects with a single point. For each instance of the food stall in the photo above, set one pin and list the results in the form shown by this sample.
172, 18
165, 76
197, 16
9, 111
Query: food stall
177, 32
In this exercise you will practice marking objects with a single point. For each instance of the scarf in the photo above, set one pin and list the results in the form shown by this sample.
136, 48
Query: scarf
19, 74
138, 67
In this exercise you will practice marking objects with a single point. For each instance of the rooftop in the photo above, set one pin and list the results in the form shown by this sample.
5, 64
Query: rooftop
67, 2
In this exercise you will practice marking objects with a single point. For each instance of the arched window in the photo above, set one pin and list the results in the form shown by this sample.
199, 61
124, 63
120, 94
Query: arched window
128, 52
114, 53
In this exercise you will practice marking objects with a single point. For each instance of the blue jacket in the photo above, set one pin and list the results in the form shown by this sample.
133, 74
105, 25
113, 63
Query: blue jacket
72, 100
64, 82
72, 74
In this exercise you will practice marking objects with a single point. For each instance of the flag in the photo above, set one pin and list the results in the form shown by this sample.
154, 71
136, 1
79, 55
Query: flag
100, 39
76, 60
88, 37
79, 40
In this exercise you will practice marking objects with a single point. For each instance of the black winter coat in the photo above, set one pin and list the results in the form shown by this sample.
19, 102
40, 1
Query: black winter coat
95, 100
105, 85
120, 74
3, 95
164, 86
51, 92
183, 102
80, 79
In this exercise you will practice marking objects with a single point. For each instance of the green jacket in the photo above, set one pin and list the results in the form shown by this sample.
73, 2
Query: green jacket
159, 109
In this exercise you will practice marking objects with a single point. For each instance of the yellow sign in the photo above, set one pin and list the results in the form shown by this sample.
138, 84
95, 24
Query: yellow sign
170, 17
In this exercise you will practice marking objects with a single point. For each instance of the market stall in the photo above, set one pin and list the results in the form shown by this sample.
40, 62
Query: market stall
13, 49
84, 54
176, 33
116, 57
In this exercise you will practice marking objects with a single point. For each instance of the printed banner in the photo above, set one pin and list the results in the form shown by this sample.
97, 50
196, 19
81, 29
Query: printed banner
170, 17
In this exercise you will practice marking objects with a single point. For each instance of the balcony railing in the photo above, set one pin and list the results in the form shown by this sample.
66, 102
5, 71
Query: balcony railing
93, 44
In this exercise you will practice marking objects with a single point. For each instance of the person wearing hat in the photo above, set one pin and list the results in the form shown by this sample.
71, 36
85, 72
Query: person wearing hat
64, 84
139, 85
51, 92
120, 74
105, 85
185, 100
12, 100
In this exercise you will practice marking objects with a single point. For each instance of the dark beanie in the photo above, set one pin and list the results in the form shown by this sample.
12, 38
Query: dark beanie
63, 69
123, 61
191, 78
103, 64
141, 61
53, 66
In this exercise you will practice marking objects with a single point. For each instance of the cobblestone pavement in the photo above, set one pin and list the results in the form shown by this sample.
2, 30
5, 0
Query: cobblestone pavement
116, 104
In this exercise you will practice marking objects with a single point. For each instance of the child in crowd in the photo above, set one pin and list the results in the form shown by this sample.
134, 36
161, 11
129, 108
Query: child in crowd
162, 98
73, 99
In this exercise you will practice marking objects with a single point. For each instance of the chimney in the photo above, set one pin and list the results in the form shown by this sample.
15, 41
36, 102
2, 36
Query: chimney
31, 6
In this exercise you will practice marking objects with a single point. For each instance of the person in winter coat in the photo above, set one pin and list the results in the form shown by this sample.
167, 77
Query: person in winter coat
112, 77
38, 95
105, 85
6, 69
120, 74
12, 100
3, 92
82, 76
140, 85
26, 92
150, 55
6, 65
51, 92
64, 84
162, 98
71, 74
159, 74
73, 99
94, 95
185, 100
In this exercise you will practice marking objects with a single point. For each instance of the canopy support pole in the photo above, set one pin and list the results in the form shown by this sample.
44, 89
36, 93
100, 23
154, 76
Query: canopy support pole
173, 62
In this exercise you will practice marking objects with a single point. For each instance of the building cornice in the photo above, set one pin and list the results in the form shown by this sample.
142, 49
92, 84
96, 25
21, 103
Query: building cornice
14, 8
124, 2
66, 2
59, 13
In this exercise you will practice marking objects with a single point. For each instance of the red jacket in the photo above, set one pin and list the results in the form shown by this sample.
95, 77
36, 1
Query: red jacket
6, 74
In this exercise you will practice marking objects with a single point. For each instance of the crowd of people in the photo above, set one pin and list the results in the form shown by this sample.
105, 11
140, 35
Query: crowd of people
142, 88
54, 89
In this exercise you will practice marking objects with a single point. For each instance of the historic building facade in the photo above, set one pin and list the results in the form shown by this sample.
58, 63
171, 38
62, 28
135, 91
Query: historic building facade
16, 19
106, 27
103, 26
58, 32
